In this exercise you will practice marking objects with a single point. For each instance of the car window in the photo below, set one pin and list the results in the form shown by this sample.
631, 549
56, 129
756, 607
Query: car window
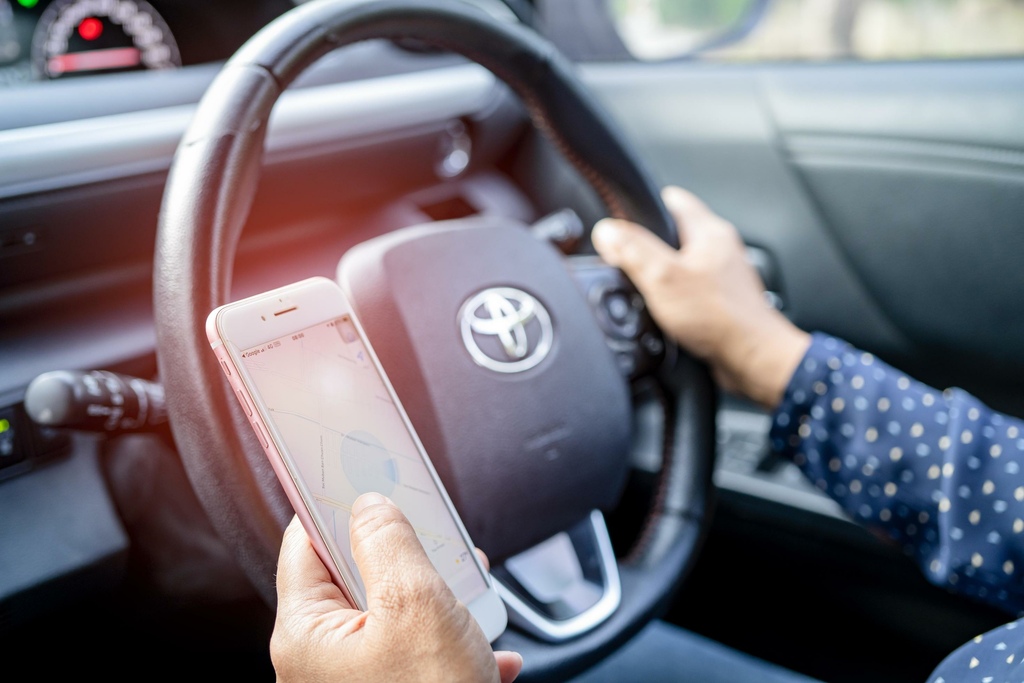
819, 30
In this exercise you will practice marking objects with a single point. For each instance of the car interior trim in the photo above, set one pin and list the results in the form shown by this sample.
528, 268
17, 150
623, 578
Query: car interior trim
779, 493
60, 155
808, 146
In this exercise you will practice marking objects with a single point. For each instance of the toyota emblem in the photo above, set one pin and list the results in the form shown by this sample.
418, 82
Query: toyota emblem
505, 329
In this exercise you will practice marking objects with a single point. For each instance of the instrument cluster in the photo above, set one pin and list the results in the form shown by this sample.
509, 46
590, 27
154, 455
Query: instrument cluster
43, 40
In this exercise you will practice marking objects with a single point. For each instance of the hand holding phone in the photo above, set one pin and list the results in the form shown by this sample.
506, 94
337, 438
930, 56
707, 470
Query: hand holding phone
424, 631
333, 428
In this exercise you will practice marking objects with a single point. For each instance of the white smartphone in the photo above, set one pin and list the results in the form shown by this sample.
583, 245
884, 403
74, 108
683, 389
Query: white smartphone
333, 428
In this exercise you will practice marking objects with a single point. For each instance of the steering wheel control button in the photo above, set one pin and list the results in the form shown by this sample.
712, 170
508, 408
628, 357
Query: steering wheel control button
505, 329
621, 313
627, 362
652, 344
618, 307
623, 316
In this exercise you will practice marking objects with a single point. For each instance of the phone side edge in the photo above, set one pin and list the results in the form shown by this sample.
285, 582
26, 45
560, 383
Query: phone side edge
489, 611
235, 374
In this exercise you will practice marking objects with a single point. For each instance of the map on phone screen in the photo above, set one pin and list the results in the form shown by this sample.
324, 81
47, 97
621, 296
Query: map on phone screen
346, 437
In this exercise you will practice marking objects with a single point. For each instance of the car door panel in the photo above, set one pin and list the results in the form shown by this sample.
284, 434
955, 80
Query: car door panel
890, 195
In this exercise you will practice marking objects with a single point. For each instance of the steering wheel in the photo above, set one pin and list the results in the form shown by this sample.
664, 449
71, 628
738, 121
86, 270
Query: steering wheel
531, 445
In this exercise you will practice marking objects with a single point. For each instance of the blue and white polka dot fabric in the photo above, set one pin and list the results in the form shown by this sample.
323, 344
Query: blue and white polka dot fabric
937, 471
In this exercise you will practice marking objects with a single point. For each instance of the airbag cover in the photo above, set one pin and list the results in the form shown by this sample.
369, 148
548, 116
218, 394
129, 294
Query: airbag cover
523, 454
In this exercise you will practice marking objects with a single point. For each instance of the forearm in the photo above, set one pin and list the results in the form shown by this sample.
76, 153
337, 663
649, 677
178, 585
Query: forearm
936, 471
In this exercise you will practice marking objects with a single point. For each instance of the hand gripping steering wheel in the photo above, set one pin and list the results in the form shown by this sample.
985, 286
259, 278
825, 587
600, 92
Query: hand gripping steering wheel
530, 451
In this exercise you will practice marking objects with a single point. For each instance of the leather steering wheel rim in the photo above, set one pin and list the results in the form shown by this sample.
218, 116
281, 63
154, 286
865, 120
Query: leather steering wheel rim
207, 199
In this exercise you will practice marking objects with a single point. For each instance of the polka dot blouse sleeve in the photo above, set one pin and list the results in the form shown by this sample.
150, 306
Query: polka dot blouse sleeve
939, 472
993, 657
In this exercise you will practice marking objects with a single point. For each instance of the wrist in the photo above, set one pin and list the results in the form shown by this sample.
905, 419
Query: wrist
762, 361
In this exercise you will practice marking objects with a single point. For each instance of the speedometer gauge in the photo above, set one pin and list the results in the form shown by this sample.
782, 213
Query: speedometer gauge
78, 37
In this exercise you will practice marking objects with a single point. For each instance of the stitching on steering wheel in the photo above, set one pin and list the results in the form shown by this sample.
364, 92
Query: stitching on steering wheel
657, 508
596, 180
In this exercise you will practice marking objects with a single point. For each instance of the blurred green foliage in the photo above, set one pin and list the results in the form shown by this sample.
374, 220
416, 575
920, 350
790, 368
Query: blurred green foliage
698, 14
709, 14
826, 29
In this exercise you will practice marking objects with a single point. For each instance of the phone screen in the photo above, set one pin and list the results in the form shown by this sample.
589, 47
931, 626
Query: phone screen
346, 437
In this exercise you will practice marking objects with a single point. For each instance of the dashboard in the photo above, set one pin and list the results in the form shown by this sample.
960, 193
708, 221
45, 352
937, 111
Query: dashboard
44, 40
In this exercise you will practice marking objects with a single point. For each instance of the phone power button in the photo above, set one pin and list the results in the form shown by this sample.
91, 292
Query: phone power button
260, 434
244, 401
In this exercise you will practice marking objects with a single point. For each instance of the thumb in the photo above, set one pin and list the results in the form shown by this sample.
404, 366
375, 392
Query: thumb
640, 254
389, 555
302, 579
510, 664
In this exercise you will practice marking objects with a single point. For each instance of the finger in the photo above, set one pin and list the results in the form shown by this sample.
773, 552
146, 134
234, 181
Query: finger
682, 200
509, 665
389, 555
483, 559
686, 208
641, 254
301, 575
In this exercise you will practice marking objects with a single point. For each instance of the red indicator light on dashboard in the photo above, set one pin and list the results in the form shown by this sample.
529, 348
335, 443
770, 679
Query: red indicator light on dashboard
91, 28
